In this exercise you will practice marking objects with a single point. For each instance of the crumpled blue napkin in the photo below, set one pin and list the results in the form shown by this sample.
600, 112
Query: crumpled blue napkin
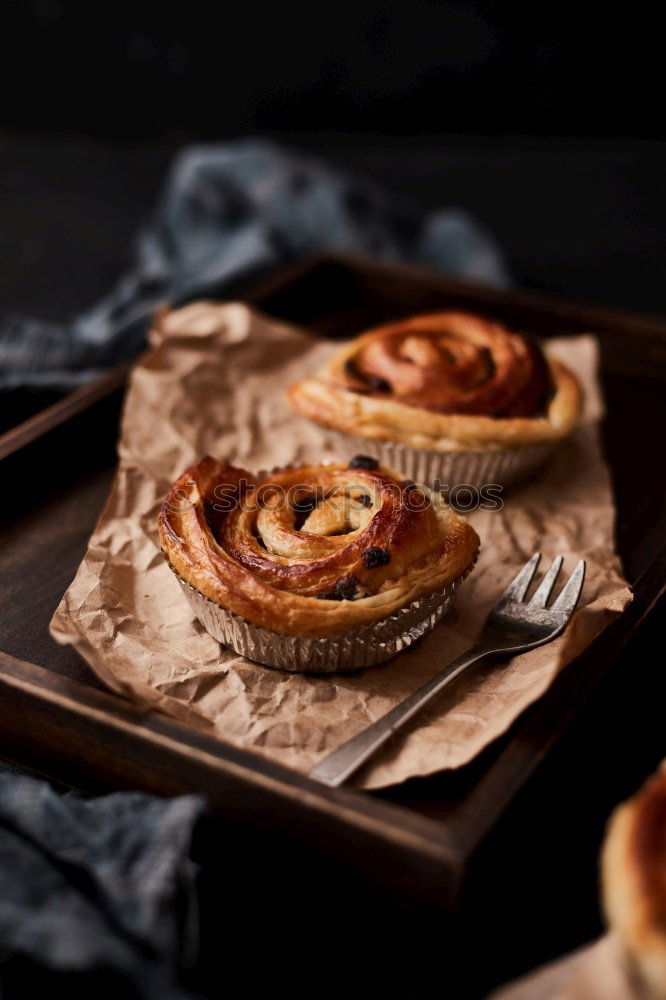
106, 883
229, 213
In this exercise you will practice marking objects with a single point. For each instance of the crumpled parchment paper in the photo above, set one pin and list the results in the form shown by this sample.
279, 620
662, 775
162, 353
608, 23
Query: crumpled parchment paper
598, 971
214, 383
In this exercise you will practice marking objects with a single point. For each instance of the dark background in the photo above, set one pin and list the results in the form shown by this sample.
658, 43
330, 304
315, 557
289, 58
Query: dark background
393, 67
541, 119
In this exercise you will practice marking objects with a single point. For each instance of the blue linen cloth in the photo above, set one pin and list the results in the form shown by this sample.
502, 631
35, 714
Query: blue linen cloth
230, 213
102, 885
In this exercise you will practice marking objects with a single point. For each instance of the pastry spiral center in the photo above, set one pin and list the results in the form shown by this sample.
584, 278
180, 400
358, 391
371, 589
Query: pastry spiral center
310, 525
326, 531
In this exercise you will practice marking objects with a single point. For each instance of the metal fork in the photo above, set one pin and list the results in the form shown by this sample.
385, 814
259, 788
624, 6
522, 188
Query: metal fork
512, 626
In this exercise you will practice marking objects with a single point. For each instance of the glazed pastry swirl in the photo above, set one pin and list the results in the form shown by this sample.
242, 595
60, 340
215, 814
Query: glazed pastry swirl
634, 881
445, 381
450, 364
314, 550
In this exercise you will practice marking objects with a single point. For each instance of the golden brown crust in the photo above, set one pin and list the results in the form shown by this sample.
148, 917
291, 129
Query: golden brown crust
634, 880
311, 551
443, 381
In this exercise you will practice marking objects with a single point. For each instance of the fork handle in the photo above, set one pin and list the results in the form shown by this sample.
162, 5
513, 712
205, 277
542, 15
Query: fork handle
339, 765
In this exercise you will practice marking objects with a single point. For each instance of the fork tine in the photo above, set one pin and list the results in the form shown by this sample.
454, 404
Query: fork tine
518, 586
542, 593
568, 598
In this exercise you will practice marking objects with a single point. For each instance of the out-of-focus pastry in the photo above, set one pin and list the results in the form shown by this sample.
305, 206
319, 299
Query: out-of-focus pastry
445, 398
634, 882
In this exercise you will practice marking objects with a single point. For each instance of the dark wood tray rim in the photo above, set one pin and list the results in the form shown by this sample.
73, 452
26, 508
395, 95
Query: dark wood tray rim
89, 738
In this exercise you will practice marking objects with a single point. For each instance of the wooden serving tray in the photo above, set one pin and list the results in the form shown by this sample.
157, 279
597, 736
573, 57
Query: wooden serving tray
55, 718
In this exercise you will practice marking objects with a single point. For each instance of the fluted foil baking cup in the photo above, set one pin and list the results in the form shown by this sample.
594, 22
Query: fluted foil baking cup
506, 467
361, 647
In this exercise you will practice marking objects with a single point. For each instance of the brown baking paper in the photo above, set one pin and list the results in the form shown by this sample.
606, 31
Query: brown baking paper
598, 971
214, 384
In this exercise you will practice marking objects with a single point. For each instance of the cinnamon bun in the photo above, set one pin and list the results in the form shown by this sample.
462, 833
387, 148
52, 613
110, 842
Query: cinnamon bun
634, 882
445, 384
311, 555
